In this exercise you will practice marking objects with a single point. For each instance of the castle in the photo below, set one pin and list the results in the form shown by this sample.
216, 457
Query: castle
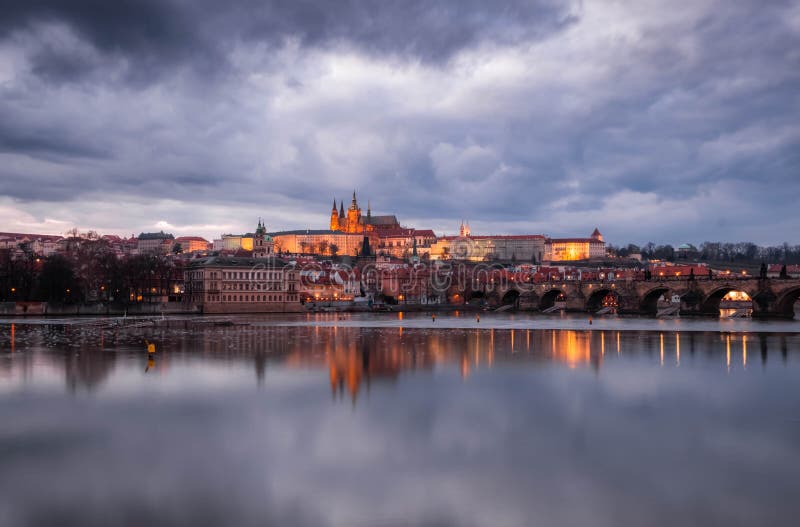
353, 222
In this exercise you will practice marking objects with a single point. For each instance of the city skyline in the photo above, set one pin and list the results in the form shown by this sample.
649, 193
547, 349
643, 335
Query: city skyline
655, 121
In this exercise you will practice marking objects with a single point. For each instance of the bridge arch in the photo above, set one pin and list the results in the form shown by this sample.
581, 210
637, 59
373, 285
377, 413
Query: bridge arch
549, 298
786, 301
711, 301
510, 297
595, 301
474, 295
649, 302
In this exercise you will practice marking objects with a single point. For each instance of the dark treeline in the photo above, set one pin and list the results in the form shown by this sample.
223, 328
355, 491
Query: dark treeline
89, 272
742, 252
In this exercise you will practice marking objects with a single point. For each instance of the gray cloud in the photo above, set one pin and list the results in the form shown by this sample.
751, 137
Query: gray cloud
521, 116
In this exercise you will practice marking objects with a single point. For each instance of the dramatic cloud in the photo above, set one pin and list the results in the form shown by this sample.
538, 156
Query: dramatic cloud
666, 121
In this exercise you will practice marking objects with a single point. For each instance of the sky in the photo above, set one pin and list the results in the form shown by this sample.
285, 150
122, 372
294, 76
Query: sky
655, 121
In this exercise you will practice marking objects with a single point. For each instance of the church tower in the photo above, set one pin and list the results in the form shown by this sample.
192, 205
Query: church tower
334, 217
263, 245
354, 216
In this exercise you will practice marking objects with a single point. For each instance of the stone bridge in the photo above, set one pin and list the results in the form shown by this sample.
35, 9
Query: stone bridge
772, 297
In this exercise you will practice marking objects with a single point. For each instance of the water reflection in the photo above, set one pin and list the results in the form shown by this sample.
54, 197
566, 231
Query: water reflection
352, 357
341, 426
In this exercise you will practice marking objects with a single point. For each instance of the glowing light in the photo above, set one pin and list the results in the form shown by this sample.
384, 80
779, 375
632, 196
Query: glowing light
728, 353
744, 351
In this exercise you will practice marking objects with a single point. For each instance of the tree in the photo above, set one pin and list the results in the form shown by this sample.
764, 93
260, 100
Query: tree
57, 282
177, 248
17, 276
334, 249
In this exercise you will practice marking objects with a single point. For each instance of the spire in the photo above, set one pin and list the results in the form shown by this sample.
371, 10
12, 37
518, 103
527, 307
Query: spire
334, 205
341, 209
354, 205
369, 209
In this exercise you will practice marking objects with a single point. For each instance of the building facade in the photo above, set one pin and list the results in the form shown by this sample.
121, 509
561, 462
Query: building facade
191, 244
572, 249
155, 243
482, 248
242, 285
403, 243
320, 242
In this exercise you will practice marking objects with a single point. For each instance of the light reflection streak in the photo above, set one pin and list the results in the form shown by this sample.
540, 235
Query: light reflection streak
744, 351
728, 353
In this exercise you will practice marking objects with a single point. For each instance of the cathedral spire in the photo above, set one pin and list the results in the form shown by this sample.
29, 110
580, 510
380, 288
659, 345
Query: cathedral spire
354, 205
369, 209
341, 209
334, 205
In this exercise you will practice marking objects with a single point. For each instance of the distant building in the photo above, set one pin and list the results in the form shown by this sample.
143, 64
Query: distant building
233, 242
686, 251
482, 248
191, 244
155, 243
571, 249
321, 242
263, 244
774, 270
402, 243
38, 244
242, 285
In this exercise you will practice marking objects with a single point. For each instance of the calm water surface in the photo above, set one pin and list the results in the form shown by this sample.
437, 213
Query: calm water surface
390, 420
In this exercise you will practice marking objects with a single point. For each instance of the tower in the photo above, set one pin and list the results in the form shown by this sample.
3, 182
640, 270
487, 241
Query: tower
334, 217
596, 235
263, 244
464, 231
354, 216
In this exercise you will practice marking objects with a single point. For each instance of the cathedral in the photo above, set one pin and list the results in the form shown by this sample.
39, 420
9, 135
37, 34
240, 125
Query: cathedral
352, 221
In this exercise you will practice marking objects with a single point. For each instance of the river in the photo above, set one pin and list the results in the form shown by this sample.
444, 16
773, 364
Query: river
359, 419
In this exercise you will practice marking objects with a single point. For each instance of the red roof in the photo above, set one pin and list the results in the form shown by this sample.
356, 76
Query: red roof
191, 239
17, 235
497, 237
397, 233
573, 240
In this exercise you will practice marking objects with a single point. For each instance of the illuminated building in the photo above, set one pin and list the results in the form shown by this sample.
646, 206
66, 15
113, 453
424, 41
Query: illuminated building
481, 248
190, 244
322, 242
353, 222
571, 249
